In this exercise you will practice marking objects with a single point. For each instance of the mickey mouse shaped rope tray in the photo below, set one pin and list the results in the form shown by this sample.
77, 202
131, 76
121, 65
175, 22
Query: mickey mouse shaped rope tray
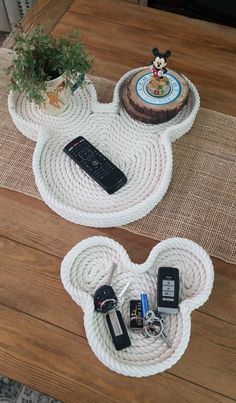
142, 151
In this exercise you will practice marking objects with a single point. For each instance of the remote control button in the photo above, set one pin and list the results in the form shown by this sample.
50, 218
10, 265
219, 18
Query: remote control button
168, 282
85, 153
168, 288
88, 167
104, 171
95, 163
168, 299
168, 294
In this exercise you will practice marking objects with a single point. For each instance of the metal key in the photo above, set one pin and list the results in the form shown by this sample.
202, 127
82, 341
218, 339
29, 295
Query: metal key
122, 293
154, 326
111, 274
165, 339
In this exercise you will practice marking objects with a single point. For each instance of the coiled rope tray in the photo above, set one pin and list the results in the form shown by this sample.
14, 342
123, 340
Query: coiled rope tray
142, 151
87, 266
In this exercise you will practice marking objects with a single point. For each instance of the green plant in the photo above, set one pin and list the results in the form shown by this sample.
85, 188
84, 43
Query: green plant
40, 57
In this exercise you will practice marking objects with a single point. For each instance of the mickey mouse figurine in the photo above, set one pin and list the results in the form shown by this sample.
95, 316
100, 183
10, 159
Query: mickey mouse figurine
159, 62
159, 85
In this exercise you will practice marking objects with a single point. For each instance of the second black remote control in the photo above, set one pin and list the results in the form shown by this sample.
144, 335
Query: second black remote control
95, 164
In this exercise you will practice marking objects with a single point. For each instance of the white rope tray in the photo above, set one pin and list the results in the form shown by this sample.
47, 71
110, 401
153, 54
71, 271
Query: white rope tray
142, 151
87, 266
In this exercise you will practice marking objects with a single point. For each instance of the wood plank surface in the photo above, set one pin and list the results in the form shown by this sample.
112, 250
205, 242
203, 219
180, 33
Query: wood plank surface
82, 378
121, 38
42, 338
32, 223
47, 12
30, 283
42, 293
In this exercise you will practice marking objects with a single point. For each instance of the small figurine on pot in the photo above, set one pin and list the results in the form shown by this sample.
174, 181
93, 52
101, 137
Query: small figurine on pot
159, 84
159, 62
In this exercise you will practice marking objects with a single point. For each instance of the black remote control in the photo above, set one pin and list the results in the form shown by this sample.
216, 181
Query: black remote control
168, 290
95, 164
118, 330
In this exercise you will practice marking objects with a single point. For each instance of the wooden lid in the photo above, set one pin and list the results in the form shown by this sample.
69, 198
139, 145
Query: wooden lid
148, 108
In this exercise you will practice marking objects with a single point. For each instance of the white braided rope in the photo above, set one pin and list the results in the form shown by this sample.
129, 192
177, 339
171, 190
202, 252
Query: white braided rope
142, 151
87, 266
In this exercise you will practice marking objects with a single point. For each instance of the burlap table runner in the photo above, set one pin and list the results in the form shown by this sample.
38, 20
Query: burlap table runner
201, 201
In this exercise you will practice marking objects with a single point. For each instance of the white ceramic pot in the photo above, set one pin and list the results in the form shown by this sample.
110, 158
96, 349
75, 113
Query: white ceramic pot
56, 96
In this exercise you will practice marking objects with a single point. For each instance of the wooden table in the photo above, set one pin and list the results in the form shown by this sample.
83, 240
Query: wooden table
42, 339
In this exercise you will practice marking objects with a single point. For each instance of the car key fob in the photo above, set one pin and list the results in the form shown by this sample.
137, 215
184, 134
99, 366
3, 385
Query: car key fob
168, 290
105, 299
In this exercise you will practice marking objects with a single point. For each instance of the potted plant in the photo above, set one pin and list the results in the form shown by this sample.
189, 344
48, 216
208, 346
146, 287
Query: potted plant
46, 67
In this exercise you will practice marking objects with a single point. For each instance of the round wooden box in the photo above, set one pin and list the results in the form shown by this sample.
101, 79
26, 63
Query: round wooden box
146, 107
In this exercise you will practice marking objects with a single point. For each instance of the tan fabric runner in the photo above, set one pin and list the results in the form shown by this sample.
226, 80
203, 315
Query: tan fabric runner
201, 201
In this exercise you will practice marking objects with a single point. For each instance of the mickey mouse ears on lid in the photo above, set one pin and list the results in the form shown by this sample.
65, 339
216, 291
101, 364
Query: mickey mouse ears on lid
165, 54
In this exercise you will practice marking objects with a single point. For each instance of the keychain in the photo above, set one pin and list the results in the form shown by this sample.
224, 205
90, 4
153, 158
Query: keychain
106, 301
153, 326
149, 321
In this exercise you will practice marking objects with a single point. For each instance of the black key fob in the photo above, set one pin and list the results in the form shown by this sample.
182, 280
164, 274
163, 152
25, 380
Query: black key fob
118, 330
168, 290
105, 299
